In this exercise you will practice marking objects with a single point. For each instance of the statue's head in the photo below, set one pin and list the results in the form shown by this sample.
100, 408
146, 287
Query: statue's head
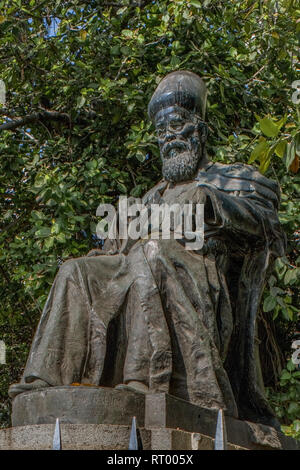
177, 109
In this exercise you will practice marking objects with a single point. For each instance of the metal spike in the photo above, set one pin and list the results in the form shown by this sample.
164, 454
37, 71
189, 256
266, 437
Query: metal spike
133, 441
221, 437
56, 437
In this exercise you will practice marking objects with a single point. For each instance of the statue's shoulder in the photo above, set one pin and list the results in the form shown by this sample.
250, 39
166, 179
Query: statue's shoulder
243, 177
244, 172
154, 193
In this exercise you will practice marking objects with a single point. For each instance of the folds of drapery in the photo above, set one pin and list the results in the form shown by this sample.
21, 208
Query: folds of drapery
184, 324
172, 337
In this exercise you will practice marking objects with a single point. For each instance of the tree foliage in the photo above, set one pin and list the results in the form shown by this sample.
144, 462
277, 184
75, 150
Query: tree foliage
74, 133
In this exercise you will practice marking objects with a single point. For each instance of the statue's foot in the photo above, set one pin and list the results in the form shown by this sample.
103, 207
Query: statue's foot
133, 386
16, 389
271, 421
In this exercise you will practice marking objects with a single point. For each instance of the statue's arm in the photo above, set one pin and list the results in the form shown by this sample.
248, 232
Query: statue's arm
247, 214
110, 247
117, 245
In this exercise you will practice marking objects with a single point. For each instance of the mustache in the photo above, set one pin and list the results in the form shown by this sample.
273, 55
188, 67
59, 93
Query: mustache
179, 144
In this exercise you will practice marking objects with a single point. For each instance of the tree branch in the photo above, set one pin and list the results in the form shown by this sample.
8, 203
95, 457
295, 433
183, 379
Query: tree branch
35, 117
133, 3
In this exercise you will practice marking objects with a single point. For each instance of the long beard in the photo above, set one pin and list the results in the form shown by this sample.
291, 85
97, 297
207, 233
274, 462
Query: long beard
181, 166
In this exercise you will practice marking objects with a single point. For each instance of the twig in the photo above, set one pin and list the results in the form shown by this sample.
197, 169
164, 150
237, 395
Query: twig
132, 174
121, 67
113, 4
155, 42
249, 131
255, 75
34, 117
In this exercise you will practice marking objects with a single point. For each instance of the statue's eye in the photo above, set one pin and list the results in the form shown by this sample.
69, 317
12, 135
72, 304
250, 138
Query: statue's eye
176, 125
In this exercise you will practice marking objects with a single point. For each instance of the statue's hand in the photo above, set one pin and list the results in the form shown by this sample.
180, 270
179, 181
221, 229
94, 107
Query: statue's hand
98, 252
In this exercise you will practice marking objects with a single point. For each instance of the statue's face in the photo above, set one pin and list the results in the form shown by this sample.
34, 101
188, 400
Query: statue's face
179, 142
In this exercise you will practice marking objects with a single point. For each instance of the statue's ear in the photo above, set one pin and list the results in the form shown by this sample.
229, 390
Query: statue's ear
203, 131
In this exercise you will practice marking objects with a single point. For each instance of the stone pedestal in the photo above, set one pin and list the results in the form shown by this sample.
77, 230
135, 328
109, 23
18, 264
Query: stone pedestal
100, 418
78, 405
101, 437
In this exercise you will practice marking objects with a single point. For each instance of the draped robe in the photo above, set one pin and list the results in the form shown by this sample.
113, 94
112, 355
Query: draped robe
182, 322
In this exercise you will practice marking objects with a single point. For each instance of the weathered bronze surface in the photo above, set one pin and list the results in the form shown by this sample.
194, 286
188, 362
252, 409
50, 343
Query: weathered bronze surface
151, 315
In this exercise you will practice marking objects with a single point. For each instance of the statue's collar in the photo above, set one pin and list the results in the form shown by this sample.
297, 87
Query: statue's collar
206, 166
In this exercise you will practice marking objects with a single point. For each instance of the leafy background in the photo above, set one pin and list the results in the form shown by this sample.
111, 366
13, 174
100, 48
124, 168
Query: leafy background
74, 133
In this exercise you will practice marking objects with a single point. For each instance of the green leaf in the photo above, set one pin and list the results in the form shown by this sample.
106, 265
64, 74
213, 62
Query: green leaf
280, 148
290, 154
92, 165
122, 187
293, 408
127, 33
276, 312
121, 10
290, 275
115, 50
61, 238
285, 375
49, 242
268, 127
80, 101
195, 3
43, 232
265, 161
140, 156
290, 366
260, 149
281, 122
269, 303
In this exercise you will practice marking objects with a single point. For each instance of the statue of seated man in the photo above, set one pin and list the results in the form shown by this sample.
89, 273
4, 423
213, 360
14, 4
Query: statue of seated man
152, 316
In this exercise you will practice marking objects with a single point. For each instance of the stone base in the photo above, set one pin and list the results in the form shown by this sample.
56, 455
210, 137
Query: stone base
165, 411
100, 418
78, 405
102, 437
73, 437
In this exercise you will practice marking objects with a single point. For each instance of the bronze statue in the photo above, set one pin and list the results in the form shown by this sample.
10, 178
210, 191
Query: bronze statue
149, 315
